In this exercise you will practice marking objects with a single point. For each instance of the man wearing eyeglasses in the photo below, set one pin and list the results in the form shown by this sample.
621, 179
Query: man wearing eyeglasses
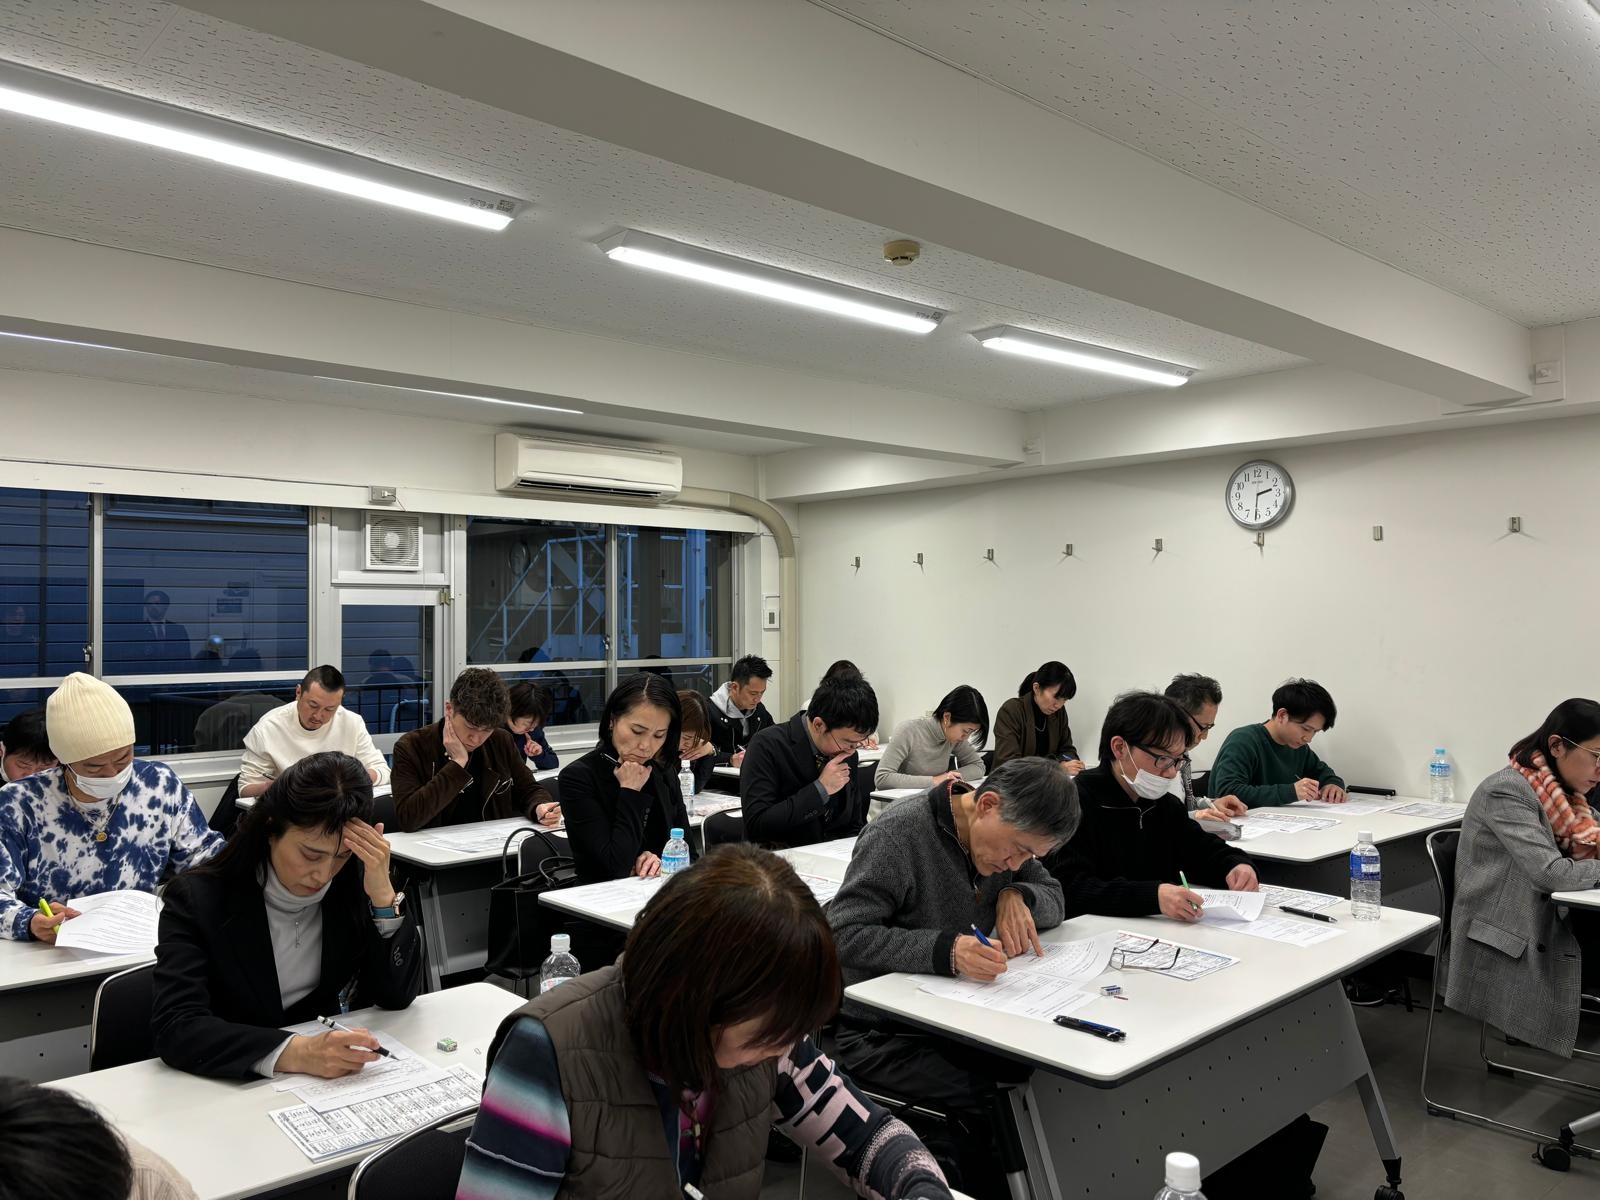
1272, 763
1135, 844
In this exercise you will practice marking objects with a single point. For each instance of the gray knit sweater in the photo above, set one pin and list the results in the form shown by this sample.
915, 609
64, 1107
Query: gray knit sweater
909, 893
917, 752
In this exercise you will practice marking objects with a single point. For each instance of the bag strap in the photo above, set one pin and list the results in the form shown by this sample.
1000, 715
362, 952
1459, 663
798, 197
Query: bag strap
517, 835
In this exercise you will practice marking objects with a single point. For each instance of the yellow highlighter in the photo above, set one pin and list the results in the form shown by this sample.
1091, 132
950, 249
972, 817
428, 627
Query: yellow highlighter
44, 907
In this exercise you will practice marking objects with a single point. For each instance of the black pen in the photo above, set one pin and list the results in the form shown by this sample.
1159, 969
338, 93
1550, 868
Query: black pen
332, 1024
1108, 1032
1302, 912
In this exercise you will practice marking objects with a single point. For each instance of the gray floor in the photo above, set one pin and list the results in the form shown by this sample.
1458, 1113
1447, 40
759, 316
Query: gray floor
1444, 1160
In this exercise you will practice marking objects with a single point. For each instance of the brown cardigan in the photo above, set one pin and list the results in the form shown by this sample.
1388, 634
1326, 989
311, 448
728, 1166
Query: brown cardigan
428, 786
1013, 733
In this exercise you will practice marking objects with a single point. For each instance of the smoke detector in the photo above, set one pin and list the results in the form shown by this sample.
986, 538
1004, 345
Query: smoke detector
902, 252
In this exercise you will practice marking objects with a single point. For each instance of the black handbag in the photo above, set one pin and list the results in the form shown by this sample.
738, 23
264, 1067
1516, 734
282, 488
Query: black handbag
520, 927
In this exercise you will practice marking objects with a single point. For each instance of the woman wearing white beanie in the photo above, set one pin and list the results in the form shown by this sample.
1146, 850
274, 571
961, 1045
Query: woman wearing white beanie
98, 822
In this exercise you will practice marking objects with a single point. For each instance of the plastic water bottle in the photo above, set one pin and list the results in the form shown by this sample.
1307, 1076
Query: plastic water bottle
675, 854
1441, 780
686, 786
1183, 1178
1366, 879
560, 966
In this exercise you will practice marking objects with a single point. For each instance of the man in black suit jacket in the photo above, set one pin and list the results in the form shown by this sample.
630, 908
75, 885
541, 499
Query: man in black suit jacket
164, 640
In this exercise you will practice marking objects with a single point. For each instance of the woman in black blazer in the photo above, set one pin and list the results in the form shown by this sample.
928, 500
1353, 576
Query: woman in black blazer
295, 919
620, 800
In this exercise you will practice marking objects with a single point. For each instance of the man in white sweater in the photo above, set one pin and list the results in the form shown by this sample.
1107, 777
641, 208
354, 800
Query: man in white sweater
316, 721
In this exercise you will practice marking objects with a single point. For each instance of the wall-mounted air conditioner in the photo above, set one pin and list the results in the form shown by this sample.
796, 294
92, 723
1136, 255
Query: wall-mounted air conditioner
524, 464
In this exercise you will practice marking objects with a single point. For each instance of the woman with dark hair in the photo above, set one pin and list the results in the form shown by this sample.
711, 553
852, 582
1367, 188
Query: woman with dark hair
1034, 721
1515, 961
622, 798
661, 1076
695, 746
295, 919
925, 751
530, 710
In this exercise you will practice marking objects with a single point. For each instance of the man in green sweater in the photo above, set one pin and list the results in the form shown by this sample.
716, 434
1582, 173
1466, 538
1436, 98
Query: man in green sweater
1272, 763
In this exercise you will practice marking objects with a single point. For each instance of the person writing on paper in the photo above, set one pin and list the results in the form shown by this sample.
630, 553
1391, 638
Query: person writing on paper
922, 876
1136, 845
24, 747
296, 919
1272, 763
467, 768
1530, 830
316, 721
99, 1163
797, 786
1200, 696
737, 713
662, 1075
1034, 721
945, 746
622, 798
694, 737
530, 709
101, 821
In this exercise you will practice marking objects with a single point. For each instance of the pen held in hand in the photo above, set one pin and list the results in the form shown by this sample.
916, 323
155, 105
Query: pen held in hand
332, 1024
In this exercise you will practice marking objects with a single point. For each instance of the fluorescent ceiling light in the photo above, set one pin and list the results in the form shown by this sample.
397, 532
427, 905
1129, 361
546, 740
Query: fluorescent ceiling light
400, 387
65, 101
773, 283
1068, 353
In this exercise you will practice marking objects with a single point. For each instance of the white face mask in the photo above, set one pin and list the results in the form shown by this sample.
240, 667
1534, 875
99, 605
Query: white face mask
1147, 785
103, 789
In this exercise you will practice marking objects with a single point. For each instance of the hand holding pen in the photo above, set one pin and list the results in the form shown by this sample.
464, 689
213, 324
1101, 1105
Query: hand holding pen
977, 958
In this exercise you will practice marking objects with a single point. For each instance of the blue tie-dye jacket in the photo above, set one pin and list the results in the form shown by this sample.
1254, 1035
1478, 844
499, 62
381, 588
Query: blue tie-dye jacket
47, 845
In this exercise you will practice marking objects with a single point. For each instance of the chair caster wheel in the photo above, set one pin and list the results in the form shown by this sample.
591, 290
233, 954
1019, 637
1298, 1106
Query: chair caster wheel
1555, 1157
1388, 1192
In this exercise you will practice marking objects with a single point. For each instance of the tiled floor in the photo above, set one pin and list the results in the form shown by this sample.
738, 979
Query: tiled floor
1443, 1160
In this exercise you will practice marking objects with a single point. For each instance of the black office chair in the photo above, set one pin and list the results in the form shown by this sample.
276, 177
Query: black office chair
225, 817
119, 1030
425, 1164
722, 828
1442, 845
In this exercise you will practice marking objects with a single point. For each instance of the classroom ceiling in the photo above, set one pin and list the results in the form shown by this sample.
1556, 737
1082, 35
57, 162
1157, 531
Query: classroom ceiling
159, 370
543, 270
1453, 139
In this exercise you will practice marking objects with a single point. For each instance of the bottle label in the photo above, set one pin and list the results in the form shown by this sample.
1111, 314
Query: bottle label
546, 984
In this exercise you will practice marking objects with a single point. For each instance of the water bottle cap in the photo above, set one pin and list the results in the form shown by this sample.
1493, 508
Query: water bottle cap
1438, 751
677, 833
1183, 1172
560, 943
1364, 835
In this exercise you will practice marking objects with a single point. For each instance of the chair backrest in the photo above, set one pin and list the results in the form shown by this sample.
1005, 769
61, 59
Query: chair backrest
425, 1164
1442, 847
225, 816
119, 1031
723, 827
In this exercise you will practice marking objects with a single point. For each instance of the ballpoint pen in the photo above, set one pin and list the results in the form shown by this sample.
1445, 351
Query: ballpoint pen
332, 1024
1303, 912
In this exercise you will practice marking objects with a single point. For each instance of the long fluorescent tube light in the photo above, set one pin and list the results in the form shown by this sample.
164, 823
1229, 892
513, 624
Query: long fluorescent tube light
400, 387
65, 101
1068, 353
772, 283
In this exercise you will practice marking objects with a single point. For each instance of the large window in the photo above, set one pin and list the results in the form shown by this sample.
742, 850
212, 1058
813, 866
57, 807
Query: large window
44, 592
536, 592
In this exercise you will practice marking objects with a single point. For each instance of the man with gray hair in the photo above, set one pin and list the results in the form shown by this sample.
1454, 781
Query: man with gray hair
922, 876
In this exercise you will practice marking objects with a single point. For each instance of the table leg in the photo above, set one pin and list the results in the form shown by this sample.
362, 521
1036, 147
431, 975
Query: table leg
433, 930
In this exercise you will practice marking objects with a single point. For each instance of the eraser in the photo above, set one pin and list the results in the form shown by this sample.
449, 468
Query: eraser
446, 1044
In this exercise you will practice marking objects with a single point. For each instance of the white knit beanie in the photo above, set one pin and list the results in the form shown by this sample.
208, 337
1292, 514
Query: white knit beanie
84, 718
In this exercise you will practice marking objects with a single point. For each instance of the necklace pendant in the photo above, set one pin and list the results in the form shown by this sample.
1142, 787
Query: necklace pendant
100, 836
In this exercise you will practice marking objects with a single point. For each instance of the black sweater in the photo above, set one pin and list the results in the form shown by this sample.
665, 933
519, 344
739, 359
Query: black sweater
607, 827
1125, 849
783, 806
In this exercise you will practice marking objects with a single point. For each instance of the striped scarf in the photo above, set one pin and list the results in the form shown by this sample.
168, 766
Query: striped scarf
1569, 816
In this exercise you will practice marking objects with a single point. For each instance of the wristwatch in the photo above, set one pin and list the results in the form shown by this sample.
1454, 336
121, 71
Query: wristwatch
389, 913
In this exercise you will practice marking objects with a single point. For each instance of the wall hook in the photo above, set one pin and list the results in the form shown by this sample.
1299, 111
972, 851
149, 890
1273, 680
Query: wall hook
1377, 533
1157, 546
1261, 537
988, 555
1066, 551
1514, 525
857, 563
918, 559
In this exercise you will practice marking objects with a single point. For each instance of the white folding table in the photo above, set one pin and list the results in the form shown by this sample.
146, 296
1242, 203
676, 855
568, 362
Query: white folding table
46, 1001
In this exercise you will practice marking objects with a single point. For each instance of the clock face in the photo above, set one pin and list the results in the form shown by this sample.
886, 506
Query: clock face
1259, 494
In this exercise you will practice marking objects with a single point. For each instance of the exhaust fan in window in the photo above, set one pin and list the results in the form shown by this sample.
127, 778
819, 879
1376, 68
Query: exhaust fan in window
394, 542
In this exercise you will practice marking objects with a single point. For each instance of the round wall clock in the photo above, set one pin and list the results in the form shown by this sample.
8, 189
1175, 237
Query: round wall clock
1259, 494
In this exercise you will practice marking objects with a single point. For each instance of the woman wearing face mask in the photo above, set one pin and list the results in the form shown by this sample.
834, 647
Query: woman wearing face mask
662, 1076
622, 798
24, 747
101, 821
1135, 843
1033, 723
296, 919
1515, 960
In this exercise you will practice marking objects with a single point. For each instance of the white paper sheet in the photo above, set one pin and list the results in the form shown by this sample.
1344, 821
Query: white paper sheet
1035, 987
1278, 821
1296, 931
617, 894
481, 838
892, 794
325, 1135
1230, 906
839, 851
112, 923
823, 888
1277, 897
1192, 962
402, 1069
1430, 811
1363, 807
709, 804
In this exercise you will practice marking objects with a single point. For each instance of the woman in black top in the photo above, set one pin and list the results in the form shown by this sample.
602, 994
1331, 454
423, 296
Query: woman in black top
295, 919
621, 799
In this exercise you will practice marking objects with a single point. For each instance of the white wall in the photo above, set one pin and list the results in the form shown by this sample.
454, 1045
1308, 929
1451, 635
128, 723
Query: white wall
1448, 631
